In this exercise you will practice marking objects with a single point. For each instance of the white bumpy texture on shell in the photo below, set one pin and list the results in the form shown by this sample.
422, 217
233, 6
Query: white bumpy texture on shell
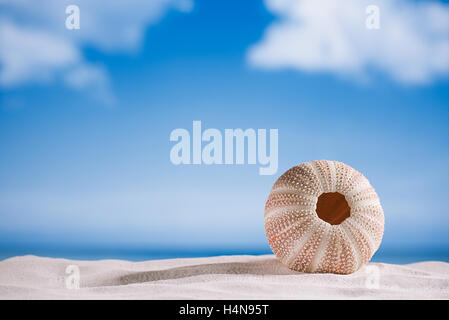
303, 241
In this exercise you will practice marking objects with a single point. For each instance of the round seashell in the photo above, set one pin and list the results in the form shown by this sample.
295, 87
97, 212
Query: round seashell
323, 216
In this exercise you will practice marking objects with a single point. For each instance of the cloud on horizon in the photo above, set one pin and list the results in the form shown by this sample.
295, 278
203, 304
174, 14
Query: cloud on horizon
35, 45
411, 46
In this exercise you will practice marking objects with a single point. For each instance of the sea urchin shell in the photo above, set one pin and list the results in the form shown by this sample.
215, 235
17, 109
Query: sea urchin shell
323, 216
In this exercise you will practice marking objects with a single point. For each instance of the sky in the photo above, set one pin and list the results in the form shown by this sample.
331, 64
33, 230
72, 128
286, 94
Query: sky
86, 116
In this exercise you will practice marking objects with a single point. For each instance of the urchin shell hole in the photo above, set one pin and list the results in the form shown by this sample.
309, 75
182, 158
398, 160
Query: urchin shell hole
332, 207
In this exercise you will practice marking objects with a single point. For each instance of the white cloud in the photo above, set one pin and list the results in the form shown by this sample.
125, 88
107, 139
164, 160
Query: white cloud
36, 46
92, 79
411, 46
26, 53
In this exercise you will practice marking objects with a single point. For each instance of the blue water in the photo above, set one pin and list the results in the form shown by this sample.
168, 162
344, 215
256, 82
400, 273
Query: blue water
141, 254
131, 254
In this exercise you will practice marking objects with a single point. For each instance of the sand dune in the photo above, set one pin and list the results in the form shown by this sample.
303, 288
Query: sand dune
225, 277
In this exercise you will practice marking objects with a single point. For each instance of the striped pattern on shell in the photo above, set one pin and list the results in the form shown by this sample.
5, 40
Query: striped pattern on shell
305, 242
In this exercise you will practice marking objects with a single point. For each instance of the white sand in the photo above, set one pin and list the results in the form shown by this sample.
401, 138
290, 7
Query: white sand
226, 277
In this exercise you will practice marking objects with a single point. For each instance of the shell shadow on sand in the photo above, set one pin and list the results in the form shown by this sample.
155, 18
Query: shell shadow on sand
269, 266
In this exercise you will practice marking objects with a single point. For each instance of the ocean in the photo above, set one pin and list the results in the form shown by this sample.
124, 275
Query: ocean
395, 256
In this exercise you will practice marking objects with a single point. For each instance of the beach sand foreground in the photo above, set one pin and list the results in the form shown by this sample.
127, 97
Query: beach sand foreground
223, 277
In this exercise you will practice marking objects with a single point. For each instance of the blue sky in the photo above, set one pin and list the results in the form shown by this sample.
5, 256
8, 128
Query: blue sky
86, 163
